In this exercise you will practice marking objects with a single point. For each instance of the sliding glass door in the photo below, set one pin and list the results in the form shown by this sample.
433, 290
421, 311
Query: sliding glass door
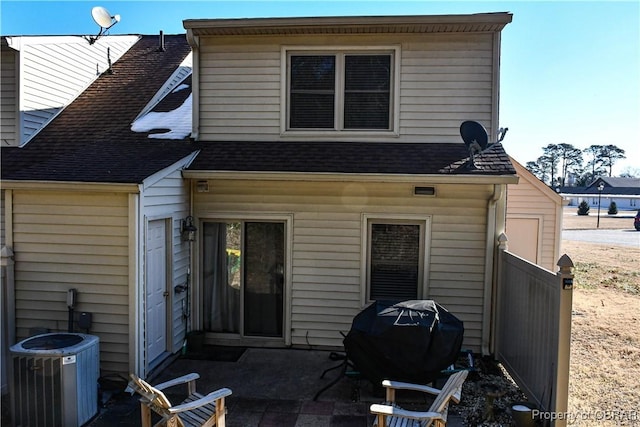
243, 277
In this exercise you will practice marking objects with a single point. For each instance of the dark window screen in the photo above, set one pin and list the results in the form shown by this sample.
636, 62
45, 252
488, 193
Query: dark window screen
367, 91
312, 92
395, 260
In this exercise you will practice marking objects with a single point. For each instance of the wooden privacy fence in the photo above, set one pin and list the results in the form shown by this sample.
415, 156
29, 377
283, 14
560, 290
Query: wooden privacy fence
533, 328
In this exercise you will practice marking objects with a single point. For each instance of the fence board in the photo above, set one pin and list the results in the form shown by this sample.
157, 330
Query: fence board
532, 331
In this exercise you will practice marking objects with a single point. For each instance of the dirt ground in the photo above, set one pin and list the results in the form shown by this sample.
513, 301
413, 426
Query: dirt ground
605, 345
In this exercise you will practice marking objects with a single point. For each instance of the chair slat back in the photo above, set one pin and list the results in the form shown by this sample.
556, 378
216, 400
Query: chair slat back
155, 396
451, 391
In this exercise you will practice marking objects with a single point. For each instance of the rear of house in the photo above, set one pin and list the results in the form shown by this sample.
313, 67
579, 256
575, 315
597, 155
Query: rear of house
332, 172
306, 209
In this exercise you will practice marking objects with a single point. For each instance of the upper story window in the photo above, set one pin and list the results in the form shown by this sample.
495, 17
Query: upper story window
343, 91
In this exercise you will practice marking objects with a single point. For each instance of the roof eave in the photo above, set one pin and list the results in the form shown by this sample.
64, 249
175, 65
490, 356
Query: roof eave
70, 186
481, 22
350, 177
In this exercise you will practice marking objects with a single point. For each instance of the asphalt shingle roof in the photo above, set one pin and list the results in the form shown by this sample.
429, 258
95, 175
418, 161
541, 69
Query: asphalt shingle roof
91, 140
350, 157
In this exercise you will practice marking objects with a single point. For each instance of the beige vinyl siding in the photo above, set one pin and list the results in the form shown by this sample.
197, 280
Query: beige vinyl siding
444, 80
327, 250
531, 198
240, 91
169, 198
55, 70
8, 101
65, 240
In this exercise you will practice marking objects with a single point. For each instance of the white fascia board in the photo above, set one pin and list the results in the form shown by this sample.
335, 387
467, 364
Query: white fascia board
183, 71
17, 42
180, 164
341, 177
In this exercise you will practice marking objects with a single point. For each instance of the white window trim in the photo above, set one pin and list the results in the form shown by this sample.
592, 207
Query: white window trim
285, 51
424, 221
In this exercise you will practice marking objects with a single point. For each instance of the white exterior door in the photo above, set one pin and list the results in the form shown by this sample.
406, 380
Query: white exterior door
156, 289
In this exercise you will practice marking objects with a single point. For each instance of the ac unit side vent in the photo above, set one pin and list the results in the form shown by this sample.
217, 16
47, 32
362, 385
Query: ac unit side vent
55, 386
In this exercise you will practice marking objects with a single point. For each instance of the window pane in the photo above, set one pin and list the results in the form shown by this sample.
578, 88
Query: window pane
367, 91
394, 263
312, 91
311, 111
366, 111
367, 72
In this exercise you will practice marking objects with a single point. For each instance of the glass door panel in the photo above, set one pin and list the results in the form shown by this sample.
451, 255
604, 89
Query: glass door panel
243, 278
221, 276
263, 278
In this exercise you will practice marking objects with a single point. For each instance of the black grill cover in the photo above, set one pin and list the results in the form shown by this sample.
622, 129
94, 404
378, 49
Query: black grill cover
404, 341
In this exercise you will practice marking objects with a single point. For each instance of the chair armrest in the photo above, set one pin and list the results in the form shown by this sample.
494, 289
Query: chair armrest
177, 381
205, 400
395, 411
398, 385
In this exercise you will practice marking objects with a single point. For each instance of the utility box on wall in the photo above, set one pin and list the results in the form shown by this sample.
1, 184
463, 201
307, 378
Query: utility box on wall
55, 380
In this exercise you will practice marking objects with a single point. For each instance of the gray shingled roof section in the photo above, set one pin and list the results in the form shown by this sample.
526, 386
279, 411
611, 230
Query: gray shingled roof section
349, 157
91, 140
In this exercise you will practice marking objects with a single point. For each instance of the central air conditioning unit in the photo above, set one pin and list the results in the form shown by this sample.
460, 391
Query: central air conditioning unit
55, 380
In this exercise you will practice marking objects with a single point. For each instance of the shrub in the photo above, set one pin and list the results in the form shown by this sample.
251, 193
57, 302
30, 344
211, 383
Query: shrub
613, 208
583, 208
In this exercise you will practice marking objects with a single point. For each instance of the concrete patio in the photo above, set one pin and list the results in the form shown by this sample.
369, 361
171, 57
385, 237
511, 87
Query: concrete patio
271, 387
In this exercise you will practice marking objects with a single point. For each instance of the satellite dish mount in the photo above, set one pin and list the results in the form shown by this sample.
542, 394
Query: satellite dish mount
104, 19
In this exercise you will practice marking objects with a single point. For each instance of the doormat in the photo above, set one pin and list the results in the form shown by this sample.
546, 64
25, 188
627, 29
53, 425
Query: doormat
215, 353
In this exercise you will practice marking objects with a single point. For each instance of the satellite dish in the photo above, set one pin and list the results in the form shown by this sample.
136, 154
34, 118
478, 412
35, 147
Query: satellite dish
103, 18
474, 133
475, 137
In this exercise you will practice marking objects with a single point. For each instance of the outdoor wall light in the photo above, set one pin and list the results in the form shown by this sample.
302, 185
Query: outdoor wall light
188, 230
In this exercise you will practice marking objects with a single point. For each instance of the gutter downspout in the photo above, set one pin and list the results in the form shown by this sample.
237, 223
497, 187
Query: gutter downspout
490, 251
194, 42
136, 291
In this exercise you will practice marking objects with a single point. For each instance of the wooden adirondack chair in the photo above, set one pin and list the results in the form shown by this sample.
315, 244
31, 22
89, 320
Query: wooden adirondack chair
389, 414
195, 410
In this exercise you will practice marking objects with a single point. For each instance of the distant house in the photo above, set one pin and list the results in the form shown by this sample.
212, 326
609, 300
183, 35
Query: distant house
304, 209
624, 191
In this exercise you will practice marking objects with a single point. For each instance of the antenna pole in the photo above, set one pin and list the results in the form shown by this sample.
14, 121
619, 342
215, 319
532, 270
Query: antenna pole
161, 47
109, 70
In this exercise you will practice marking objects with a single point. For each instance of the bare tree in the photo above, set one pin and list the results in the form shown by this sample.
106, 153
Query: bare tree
538, 169
570, 161
601, 159
551, 157
609, 154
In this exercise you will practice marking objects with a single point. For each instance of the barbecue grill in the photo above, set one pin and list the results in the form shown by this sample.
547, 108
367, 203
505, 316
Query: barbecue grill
410, 341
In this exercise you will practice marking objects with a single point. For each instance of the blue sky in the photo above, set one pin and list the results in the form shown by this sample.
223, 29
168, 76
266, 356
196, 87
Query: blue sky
570, 70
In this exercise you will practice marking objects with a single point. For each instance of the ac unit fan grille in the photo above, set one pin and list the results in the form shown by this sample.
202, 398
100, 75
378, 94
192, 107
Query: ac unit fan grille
38, 402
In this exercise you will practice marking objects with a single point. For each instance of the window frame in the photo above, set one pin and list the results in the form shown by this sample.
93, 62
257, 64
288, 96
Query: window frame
340, 52
424, 223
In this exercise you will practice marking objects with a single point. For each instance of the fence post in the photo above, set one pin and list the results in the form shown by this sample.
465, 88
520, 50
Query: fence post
497, 291
561, 380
